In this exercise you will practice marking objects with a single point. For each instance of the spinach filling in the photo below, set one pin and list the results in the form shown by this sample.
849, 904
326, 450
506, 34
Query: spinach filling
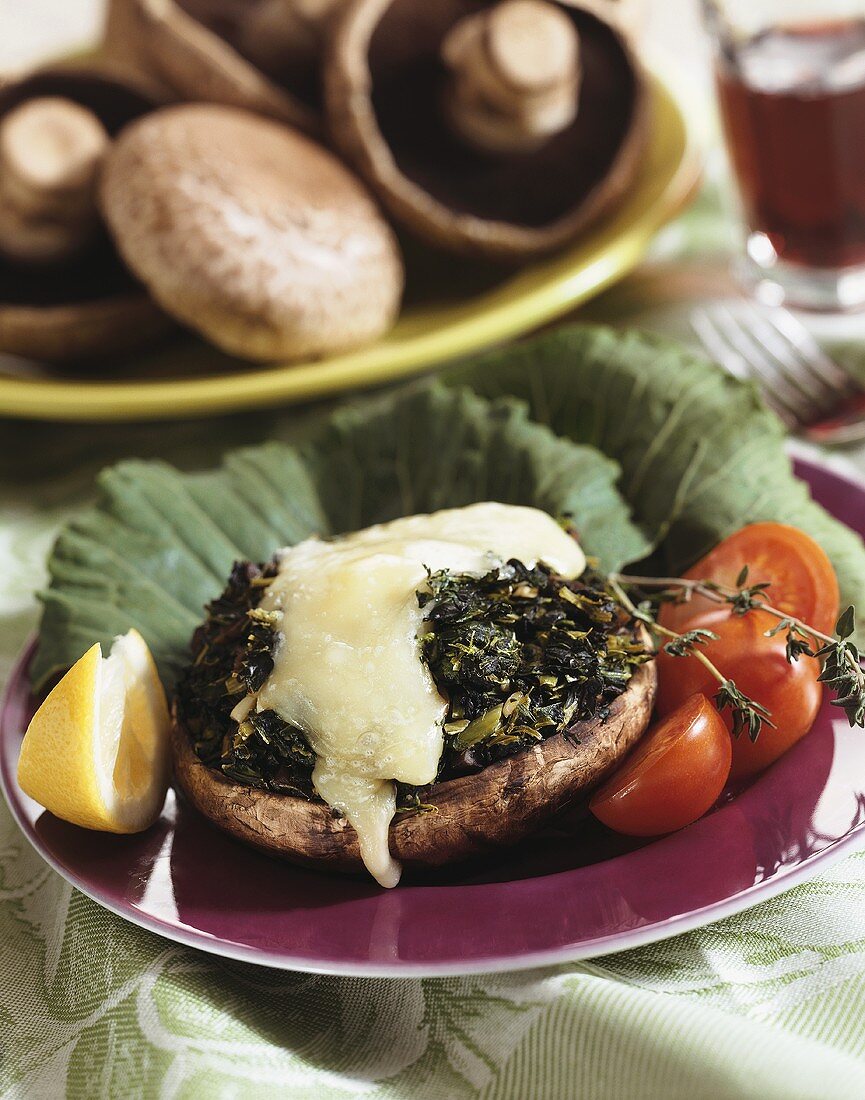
519, 655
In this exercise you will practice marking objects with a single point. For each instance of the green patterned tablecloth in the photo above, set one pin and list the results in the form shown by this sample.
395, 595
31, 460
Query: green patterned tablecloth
769, 1004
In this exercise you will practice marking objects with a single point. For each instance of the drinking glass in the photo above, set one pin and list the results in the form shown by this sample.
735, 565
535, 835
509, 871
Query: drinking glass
791, 86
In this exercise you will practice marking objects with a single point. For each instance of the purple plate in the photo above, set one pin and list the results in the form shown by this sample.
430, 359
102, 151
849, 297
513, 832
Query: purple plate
557, 899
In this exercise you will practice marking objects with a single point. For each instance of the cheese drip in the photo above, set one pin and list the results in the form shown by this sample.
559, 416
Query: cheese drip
347, 664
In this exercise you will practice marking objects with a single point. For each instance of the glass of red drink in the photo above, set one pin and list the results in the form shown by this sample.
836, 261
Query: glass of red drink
791, 86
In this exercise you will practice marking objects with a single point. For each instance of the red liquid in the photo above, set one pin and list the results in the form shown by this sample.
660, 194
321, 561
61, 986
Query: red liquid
793, 105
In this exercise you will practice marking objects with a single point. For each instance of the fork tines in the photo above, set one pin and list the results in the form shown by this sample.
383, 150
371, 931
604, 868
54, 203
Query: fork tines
774, 349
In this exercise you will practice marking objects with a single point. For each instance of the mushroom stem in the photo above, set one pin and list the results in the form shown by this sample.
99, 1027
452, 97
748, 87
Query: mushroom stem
514, 75
286, 34
51, 150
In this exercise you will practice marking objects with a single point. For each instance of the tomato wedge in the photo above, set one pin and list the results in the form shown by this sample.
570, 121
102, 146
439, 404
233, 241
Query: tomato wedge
672, 777
803, 582
760, 669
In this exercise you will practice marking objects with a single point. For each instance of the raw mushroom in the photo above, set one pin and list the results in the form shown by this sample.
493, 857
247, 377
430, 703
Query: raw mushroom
281, 36
514, 75
51, 150
264, 55
122, 48
64, 294
499, 130
251, 233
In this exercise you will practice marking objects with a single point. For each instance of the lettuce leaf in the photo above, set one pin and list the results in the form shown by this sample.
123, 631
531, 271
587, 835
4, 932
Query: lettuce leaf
159, 544
700, 454
693, 452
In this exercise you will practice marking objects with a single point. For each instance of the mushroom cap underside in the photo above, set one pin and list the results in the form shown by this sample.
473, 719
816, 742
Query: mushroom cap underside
90, 305
384, 81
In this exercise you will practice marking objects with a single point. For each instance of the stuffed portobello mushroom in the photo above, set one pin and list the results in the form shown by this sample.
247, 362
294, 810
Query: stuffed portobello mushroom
416, 693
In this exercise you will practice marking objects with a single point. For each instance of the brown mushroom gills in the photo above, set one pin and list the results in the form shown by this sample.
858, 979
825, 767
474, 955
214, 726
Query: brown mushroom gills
476, 814
287, 36
408, 74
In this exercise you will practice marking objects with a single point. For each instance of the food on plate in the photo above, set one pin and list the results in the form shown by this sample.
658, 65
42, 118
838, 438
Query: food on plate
251, 233
96, 751
262, 55
454, 112
789, 691
722, 466
496, 129
800, 576
173, 537
674, 775
64, 293
419, 691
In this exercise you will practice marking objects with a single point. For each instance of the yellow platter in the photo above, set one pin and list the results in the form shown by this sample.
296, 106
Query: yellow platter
458, 308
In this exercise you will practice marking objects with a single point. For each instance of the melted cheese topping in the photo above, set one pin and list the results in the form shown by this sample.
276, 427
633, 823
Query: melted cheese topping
347, 665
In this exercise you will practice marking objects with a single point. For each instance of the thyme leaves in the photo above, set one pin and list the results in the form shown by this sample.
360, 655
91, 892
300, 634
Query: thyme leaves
842, 670
839, 656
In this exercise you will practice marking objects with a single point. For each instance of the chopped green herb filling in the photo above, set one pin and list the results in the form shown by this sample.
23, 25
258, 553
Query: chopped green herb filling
519, 655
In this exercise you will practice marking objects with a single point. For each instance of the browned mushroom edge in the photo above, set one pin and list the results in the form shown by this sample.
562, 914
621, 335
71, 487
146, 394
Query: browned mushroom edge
92, 305
195, 46
383, 81
474, 815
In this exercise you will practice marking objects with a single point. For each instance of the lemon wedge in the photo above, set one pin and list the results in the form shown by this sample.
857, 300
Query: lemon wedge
96, 751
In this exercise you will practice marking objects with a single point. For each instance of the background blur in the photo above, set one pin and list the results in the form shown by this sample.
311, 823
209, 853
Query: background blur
31, 30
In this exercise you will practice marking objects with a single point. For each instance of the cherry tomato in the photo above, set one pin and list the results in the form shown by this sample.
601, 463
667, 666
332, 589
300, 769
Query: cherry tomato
803, 582
672, 777
759, 667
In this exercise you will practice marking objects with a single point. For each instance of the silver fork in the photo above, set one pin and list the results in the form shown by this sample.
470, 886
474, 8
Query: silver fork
808, 390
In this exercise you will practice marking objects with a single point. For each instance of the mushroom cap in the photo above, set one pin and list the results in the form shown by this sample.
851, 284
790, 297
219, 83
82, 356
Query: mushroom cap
90, 305
383, 93
83, 331
196, 47
475, 814
251, 233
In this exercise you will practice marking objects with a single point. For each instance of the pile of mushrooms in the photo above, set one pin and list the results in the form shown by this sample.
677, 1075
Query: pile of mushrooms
64, 294
494, 128
264, 55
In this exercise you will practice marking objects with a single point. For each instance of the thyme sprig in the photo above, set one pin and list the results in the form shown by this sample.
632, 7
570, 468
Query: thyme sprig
746, 712
841, 661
